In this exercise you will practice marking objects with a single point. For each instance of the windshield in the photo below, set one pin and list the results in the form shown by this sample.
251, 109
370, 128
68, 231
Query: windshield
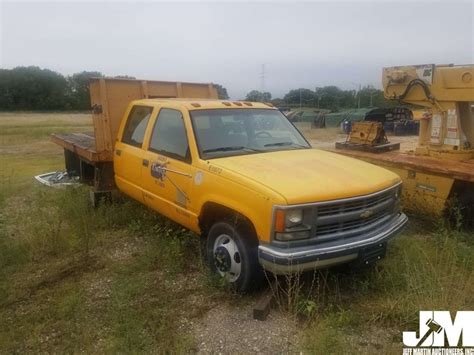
226, 132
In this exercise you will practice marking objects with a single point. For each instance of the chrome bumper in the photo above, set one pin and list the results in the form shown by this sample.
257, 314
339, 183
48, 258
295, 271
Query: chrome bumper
279, 260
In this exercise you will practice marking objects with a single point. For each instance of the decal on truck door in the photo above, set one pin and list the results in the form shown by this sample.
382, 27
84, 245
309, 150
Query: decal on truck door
198, 178
158, 170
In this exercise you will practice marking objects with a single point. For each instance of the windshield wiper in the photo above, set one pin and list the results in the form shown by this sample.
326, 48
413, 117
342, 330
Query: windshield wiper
229, 149
281, 144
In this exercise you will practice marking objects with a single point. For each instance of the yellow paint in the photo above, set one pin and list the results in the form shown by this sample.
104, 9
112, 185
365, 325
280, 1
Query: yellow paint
310, 175
111, 96
422, 191
367, 132
419, 115
249, 184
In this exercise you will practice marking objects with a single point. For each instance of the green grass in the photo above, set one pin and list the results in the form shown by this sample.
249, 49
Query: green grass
21, 128
58, 253
74, 278
55, 246
428, 268
120, 278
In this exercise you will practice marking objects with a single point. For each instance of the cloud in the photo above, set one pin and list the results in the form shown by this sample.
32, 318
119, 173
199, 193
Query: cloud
301, 44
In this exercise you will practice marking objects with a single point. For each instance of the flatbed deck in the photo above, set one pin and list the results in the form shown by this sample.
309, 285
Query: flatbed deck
381, 148
83, 144
454, 169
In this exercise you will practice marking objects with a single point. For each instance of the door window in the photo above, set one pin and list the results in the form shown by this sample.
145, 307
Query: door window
169, 135
137, 122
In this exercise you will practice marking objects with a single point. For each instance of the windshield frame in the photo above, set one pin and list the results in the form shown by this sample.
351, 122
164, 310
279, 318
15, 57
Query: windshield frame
247, 151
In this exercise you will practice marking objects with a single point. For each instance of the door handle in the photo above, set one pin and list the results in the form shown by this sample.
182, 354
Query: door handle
177, 172
118, 152
145, 162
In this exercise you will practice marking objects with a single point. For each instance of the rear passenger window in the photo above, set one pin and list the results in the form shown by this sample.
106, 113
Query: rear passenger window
135, 127
169, 135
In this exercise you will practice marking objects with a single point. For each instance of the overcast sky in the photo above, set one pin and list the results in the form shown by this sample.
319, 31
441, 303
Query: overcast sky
301, 44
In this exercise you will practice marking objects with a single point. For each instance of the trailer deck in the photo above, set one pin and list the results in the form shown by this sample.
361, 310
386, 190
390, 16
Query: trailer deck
454, 169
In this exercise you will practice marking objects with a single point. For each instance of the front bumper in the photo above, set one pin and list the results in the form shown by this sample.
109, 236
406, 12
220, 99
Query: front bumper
281, 261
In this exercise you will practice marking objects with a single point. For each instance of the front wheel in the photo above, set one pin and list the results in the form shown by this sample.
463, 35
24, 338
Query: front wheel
232, 253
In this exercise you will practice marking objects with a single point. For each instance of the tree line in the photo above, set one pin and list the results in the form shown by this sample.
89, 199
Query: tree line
34, 88
327, 97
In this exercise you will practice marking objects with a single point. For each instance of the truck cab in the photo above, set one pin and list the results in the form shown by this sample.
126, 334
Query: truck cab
240, 175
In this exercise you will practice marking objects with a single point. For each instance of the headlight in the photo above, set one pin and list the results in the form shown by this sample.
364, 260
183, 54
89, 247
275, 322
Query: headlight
294, 217
291, 224
398, 191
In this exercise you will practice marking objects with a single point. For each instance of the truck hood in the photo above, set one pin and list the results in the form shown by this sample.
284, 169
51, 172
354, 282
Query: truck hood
310, 175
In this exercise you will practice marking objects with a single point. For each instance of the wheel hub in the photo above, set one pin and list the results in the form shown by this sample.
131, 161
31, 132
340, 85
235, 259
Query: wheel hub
227, 258
222, 259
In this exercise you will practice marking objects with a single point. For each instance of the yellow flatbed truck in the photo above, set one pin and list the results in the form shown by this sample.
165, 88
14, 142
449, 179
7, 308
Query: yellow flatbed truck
240, 175
441, 168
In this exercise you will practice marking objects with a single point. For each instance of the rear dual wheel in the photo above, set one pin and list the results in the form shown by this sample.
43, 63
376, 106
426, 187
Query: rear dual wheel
232, 253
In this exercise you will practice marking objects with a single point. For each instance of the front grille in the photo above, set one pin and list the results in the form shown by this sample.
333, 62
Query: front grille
350, 225
344, 219
359, 204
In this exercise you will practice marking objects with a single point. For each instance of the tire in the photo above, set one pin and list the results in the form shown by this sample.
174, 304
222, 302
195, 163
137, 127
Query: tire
232, 253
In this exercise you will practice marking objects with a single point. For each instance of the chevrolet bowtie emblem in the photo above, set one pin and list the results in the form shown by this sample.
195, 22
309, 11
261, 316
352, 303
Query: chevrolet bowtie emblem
367, 214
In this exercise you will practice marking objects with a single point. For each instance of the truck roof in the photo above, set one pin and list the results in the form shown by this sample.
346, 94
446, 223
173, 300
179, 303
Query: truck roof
204, 104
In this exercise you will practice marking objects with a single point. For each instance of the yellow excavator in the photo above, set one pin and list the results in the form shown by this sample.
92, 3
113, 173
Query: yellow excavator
441, 168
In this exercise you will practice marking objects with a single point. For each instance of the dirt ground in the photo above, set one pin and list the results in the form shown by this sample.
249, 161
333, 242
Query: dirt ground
227, 329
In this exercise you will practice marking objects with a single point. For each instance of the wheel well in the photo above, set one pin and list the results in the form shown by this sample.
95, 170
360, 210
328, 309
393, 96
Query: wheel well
212, 212
461, 197
464, 189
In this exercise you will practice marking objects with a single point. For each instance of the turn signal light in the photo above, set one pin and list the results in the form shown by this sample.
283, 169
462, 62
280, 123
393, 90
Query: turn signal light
279, 221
